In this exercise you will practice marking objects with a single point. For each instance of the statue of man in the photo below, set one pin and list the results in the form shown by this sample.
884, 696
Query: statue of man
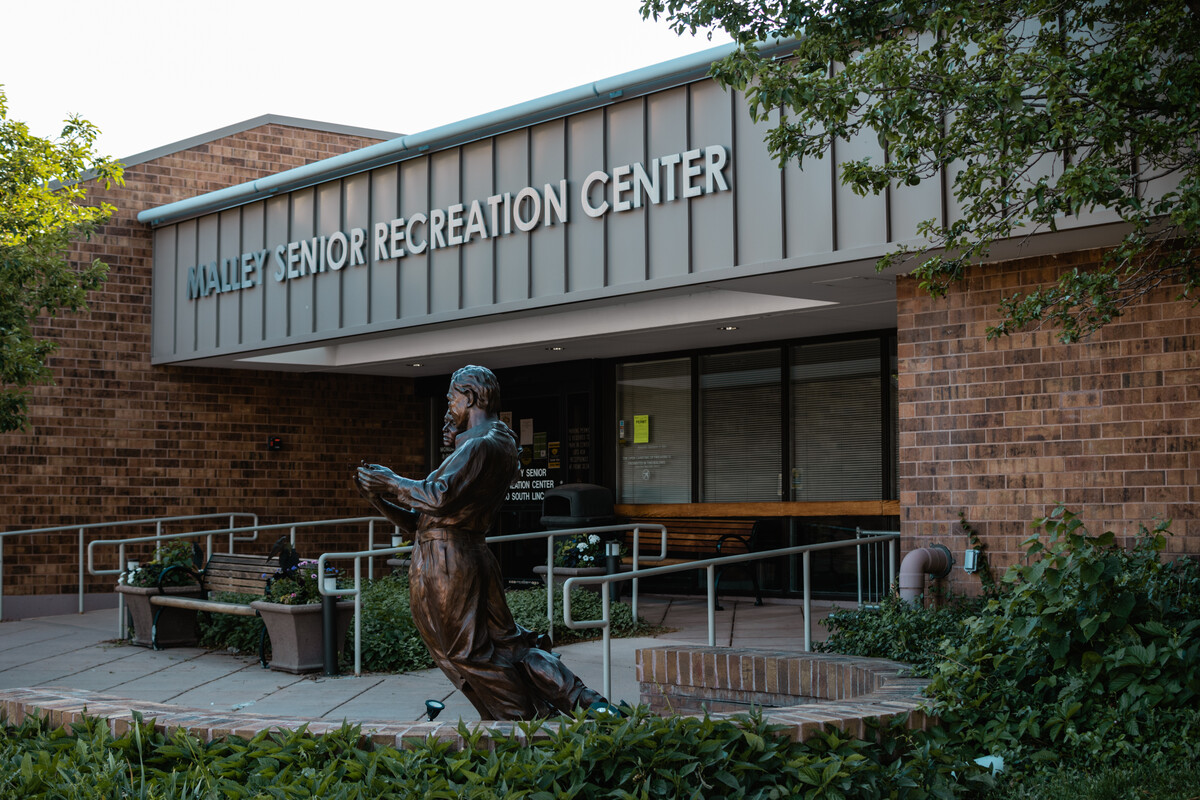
456, 590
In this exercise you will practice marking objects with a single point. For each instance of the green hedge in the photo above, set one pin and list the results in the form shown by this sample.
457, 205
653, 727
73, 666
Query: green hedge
640, 756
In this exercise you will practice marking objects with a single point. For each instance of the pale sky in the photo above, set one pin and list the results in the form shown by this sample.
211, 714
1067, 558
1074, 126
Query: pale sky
150, 73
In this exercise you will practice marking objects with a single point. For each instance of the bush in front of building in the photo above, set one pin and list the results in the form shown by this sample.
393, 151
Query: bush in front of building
635, 756
1091, 653
898, 630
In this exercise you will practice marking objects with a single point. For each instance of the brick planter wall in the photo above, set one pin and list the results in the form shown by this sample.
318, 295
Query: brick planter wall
1005, 430
802, 691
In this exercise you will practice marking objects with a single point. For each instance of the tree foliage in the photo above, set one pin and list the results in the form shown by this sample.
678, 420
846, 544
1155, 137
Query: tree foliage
1035, 110
42, 209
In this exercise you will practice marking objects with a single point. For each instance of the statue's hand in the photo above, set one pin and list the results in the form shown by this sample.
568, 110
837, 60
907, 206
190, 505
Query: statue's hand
375, 479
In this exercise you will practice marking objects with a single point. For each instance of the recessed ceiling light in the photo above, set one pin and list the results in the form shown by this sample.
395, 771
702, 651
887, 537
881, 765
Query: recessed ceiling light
554, 349
416, 364
727, 327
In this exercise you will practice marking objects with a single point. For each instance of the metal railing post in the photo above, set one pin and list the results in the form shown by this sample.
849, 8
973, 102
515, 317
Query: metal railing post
711, 580
81, 570
1, 577
858, 574
808, 602
550, 585
120, 597
606, 597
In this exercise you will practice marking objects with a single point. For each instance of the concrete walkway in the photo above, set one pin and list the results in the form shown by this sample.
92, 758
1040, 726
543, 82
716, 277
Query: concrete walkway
80, 652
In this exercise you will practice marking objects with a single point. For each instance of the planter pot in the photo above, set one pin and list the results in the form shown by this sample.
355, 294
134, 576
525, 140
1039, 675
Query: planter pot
177, 627
297, 644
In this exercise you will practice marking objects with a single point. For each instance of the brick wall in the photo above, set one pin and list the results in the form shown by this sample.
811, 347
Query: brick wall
116, 438
1005, 430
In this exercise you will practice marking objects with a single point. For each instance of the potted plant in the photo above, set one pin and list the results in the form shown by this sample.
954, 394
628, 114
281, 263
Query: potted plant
173, 571
577, 556
291, 609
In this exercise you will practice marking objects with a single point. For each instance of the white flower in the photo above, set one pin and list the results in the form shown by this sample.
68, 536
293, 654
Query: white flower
593, 539
581, 546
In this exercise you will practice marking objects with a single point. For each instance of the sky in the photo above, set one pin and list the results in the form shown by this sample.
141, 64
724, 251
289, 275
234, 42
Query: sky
152, 73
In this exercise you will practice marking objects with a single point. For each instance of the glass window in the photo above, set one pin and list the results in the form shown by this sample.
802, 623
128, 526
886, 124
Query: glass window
837, 421
740, 427
654, 432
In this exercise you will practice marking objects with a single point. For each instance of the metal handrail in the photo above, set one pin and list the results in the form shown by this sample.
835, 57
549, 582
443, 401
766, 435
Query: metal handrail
709, 565
208, 535
874, 574
549, 536
158, 523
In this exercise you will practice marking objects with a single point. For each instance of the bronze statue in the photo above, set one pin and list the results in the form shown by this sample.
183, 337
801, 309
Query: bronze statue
456, 589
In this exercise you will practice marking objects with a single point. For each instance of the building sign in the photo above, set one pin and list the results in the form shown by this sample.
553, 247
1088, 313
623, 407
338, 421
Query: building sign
667, 179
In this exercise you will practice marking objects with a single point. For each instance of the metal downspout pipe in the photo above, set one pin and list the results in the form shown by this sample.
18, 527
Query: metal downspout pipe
935, 560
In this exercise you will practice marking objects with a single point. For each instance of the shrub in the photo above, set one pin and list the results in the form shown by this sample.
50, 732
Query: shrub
1091, 652
636, 756
898, 630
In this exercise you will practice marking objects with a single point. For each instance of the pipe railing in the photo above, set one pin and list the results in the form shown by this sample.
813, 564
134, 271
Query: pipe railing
549, 536
209, 536
82, 530
877, 583
709, 565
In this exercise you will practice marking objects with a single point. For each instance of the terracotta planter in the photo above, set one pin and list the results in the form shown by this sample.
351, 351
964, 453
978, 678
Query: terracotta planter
177, 627
296, 633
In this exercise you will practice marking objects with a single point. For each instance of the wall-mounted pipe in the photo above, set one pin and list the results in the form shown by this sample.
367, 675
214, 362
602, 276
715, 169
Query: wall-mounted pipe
935, 560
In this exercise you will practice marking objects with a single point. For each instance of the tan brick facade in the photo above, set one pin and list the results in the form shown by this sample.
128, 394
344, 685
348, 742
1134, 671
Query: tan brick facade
116, 438
1005, 430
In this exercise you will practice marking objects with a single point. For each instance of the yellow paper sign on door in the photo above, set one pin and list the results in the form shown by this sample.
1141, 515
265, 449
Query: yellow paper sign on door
641, 429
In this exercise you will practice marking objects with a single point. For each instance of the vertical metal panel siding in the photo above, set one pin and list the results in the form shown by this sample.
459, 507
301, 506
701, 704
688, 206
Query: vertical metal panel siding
278, 210
548, 243
713, 217
626, 232
185, 310
414, 269
301, 317
444, 263
861, 221
251, 300
166, 295
228, 268
327, 283
585, 246
206, 313
382, 274
478, 258
758, 193
356, 213
666, 133
512, 252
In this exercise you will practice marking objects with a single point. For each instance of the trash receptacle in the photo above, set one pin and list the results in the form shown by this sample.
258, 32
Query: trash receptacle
577, 505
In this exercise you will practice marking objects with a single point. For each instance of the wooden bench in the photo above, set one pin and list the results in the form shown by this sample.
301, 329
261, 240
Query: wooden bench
697, 538
224, 572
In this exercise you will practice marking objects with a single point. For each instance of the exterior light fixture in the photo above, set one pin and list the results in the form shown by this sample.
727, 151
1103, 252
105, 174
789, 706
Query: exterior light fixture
416, 364
274, 443
727, 327
433, 708
555, 348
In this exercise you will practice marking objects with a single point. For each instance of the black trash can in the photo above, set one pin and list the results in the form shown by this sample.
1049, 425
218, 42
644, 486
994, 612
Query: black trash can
577, 505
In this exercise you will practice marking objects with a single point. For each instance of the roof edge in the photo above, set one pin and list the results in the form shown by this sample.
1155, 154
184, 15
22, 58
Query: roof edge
250, 124
644, 80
